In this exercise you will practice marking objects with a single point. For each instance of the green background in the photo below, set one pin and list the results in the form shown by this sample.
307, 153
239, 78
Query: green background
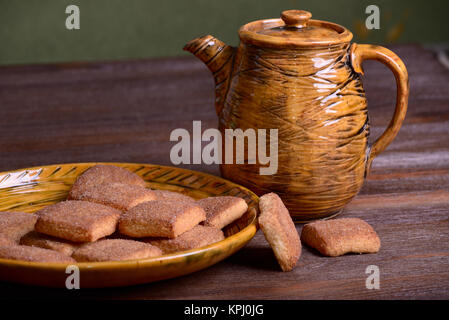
33, 31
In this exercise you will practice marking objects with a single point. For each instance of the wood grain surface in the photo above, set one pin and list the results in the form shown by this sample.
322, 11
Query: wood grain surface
125, 111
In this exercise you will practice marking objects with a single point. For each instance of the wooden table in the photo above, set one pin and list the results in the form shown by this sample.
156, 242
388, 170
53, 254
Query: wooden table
125, 111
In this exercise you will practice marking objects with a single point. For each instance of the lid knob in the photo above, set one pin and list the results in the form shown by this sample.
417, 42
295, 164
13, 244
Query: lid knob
296, 18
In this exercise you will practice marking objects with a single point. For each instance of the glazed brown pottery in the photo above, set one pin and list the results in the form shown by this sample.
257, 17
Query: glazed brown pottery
302, 77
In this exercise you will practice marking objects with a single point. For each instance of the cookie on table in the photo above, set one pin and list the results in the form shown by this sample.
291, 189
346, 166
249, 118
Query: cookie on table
35, 239
15, 225
340, 236
100, 174
279, 230
33, 254
161, 219
117, 195
5, 241
221, 211
77, 221
171, 195
197, 237
115, 250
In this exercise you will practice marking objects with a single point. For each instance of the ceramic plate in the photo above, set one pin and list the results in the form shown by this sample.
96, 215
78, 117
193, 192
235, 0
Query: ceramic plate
31, 189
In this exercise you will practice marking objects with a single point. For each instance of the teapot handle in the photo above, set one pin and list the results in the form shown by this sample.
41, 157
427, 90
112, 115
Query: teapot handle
359, 53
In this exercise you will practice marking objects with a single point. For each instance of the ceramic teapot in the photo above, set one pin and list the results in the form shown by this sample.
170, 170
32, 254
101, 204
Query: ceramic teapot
303, 78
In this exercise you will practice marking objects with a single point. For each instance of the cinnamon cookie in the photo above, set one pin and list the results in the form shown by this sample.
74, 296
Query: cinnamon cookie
161, 219
77, 221
279, 230
115, 250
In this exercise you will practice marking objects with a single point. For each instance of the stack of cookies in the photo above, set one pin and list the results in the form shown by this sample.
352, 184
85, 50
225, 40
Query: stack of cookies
110, 215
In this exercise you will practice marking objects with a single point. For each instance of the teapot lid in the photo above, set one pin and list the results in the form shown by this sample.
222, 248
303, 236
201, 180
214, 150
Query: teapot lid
295, 28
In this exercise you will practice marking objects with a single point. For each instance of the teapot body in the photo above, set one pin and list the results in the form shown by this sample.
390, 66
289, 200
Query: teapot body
316, 101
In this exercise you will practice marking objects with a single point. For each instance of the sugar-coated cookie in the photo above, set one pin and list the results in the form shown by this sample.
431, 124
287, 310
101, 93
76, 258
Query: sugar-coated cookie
171, 195
101, 174
36, 239
221, 211
15, 225
279, 230
5, 241
197, 237
33, 254
117, 195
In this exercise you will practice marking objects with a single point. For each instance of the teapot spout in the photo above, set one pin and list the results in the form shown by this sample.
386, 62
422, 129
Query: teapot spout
219, 58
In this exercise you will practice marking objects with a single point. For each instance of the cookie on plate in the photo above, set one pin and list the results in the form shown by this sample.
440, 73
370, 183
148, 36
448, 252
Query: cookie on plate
279, 230
161, 219
35, 239
222, 210
115, 250
33, 254
197, 237
340, 236
15, 225
117, 195
100, 174
5, 241
77, 221
171, 195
